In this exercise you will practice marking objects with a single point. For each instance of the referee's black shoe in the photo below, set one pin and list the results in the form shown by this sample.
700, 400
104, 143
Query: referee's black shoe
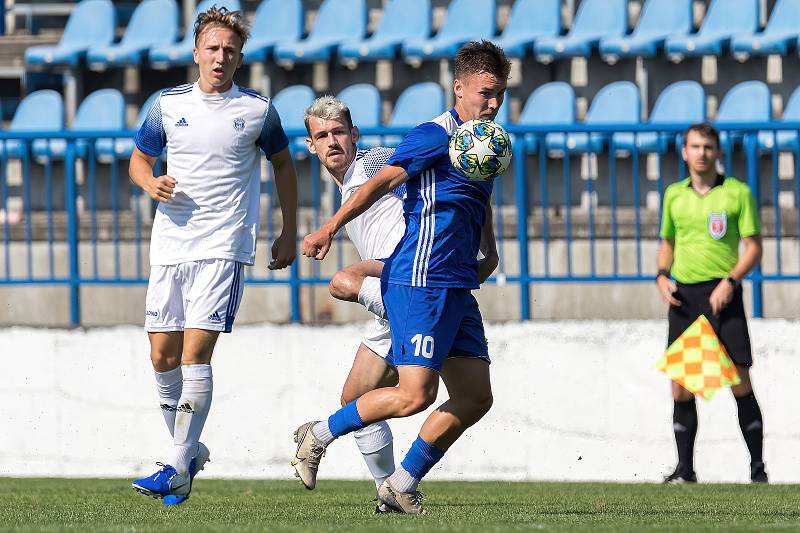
682, 474
757, 473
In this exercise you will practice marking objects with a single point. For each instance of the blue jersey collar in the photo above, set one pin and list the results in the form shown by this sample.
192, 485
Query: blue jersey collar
455, 116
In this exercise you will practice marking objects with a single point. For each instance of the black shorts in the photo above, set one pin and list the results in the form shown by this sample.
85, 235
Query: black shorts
730, 325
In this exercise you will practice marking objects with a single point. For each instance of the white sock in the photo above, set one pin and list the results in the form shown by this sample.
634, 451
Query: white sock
403, 481
169, 385
369, 295
192, 410
322, 431
375, 444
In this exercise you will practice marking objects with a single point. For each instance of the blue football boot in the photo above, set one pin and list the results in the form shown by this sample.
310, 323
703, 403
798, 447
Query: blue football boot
198, 463
164, 482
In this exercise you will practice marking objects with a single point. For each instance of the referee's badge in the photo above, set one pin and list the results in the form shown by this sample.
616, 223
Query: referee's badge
717, 225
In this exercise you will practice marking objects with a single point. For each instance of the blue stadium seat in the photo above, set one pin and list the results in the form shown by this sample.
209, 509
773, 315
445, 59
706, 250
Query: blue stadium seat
595, 20
153, 23
658, 20
401, 20
337, 21
748, 101
616, 103
41, 111
275, 21
787, 140
417, 104
291, 103
528, 21
681, 103
781, 31
466, 20
364, 102
724, 19
162, 57
123, 148
92, 23
102, 110
552, 104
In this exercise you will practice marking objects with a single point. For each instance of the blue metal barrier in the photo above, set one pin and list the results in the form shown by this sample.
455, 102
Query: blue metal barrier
70, 193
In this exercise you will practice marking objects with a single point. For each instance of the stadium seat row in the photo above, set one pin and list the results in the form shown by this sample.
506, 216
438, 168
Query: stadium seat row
550, 105
340, 29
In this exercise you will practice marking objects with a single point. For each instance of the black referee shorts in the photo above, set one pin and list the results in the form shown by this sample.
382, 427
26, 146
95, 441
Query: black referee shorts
730, 325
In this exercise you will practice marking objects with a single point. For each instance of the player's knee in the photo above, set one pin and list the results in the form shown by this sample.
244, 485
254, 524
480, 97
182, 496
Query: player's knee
344, 286
483, 404
164, 361
416, 406
416, 402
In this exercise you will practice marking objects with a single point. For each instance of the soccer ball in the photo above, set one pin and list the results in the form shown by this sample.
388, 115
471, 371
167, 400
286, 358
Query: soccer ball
480, 149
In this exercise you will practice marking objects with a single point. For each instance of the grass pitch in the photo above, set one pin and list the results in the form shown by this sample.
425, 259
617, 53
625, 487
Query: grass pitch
216, 505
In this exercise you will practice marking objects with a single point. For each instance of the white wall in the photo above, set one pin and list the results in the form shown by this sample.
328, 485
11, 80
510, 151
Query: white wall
573, 400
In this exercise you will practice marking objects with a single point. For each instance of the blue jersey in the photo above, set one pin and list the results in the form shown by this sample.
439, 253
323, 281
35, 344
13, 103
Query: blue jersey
444, 212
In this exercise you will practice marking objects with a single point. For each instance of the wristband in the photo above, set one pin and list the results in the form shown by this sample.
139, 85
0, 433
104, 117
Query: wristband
662, 272
733, 281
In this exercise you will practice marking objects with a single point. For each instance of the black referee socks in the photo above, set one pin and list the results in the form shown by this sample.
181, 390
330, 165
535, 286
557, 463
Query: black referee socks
684, 422
752, 425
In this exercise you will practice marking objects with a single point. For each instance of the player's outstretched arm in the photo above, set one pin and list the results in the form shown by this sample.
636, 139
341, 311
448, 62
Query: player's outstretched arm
317, 244
488, 246
284, 249
140, 170
666, 287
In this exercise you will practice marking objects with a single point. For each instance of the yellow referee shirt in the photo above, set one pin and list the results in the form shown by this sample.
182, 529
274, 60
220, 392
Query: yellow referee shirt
707, 228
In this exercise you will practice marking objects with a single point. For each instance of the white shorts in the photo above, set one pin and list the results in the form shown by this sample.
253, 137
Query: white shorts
197, 294
378, 337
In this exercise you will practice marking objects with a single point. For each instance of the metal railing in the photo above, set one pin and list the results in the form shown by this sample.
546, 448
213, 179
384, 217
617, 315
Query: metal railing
70, 216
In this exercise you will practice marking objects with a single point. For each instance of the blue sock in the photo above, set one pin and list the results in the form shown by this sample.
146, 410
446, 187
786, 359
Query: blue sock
421, 457
345, 420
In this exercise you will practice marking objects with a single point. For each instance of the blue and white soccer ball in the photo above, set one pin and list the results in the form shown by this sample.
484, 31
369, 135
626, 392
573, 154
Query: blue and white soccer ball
480, 149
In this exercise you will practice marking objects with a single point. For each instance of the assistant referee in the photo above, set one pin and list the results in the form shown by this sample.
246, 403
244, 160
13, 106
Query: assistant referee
705, 216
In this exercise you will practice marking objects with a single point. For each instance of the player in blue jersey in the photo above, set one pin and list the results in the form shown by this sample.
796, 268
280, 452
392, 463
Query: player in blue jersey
436, 327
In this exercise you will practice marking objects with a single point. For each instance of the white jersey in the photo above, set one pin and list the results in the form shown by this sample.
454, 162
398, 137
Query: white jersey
212, 143
376, 231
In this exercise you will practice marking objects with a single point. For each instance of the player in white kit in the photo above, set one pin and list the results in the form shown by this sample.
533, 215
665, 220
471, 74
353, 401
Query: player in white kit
332, 137
204, 230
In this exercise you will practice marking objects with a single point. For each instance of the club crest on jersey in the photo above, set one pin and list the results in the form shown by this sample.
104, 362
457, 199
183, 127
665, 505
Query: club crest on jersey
717, 225
238, 124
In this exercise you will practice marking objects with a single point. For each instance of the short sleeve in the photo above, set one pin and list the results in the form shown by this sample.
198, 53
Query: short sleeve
667, 224
272, 139
373, 160
420, 148
749, 223
151, 138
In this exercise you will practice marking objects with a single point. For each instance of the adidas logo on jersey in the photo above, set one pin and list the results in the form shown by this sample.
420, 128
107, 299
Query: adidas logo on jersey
182, 122
214, 317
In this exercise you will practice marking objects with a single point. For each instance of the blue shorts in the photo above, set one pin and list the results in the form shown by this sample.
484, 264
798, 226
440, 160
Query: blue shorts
430, 324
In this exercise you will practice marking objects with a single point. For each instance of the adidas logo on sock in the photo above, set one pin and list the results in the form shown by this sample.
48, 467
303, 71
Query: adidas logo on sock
167, 407
182, 122
185, 408
214, 317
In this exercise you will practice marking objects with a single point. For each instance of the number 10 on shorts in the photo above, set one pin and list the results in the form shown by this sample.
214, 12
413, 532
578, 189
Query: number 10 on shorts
422, 345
